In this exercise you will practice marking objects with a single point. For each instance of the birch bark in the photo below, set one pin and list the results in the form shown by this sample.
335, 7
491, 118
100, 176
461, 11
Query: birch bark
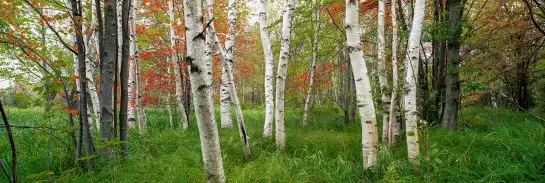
382, 74
282, 74
411, 68
269, 66
363, 86
394, 127
201, 81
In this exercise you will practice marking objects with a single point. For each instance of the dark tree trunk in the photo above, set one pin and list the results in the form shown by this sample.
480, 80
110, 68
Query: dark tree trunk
452, 99
84, 123
438, 70
124, 77
423, 91
12, 145
523, 92
107, 73
347, 92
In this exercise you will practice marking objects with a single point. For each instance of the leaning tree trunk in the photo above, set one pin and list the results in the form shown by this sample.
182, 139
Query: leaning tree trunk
228, 65
282, 73
411, 68
452, 100
76, 12
124, 76
269, 65
142, 123
313, 66
89, 66
394, 126
382, 74
200, 72
174, 57
225, 94
363, 86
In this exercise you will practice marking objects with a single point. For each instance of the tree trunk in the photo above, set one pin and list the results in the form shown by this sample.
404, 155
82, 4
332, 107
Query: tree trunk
83, 118
107, 75
132, 64
225, 94
269, 66
200, 72
411, 69
124, 76
142, 123
228, 65
282, 73
347, 92
174, 57
450, 114
313, 66
382, 74
393, 136
363, 86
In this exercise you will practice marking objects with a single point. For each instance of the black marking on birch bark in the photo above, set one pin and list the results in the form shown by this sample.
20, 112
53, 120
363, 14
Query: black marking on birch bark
202, 87
368, 122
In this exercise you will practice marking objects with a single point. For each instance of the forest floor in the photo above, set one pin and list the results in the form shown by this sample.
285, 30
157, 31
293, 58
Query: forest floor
490, 146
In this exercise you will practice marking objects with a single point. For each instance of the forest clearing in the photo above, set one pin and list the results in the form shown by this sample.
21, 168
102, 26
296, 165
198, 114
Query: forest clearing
272, 91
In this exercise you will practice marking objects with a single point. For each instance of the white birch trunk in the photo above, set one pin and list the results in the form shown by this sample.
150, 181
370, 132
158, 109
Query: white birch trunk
407, 8
169, 106
228, 65
382, 74
313, 66
201, 82
132, 65
394, 126
174, 57
142, 123
225, 98
411, 69
269, 66
282, 74
225, 101
364, 97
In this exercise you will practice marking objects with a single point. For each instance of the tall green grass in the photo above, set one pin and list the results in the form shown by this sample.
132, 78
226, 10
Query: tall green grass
489, 146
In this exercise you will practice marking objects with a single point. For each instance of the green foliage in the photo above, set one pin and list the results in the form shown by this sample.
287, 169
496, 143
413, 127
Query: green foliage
495, 146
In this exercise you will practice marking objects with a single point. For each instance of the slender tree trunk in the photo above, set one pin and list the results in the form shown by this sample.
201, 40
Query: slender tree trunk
313, 66
347, 92
200, 72
95, 103
228, 65
142, 123
100, 53
363, 86
84, 121
174, 57
225, 94
12, 145
393, 136
450, 115
282, 73
269, 66
132, 64
382, 74
411, 70
124, 76
108, 57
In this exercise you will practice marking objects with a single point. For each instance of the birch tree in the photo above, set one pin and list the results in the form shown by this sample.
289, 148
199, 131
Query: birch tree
132, 64
313, 65
411, 68
227, 63
174, 59
394, 126
363, 86
201, 82
269, 66
225, 98
282, 73
382, 74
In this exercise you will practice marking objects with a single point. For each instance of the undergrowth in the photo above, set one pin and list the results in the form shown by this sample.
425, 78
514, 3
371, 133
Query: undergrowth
489, 146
